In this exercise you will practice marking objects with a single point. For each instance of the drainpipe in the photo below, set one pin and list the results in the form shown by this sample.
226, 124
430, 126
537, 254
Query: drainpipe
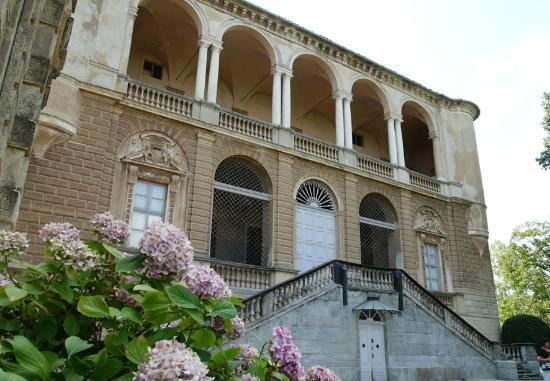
341, 278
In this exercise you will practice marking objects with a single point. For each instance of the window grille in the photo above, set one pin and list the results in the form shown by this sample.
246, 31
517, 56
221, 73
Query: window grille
431, 267
378, 231
370, 314
149, 206
313, 194
241, 218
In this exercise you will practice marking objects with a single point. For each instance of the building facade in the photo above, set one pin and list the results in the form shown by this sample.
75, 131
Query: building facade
275, 149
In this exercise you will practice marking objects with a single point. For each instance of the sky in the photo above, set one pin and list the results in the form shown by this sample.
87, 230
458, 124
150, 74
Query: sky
495, 53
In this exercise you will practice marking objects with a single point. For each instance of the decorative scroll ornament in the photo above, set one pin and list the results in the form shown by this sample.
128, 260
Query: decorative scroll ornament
156, 150
428, 221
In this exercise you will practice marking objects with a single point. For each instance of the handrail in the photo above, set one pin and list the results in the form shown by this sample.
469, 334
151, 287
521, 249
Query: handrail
372, 165
422, 181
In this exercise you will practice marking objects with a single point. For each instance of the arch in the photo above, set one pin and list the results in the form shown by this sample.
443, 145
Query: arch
327, 67
422, 111
383, 97
192, 9
269, 46
379, 234
241, 213
323, 183
315, 195
417, 130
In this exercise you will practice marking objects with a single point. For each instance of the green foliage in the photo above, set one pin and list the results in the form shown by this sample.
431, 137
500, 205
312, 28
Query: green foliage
524, 329
64, 325
522, 271
544, 158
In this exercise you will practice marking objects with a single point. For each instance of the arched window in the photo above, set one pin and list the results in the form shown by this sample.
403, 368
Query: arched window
378, 229
241, 219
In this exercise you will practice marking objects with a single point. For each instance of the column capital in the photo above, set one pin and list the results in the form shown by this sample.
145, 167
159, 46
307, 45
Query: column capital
132, 12
393, 115
205, 40
434, 134
280, 69
342, 94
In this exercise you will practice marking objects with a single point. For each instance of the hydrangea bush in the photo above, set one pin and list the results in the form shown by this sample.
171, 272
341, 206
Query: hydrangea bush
92, 312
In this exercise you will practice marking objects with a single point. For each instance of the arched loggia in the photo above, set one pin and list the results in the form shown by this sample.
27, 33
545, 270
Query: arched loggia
417, 144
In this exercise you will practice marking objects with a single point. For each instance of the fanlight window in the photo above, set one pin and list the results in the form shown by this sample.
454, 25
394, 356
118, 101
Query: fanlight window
241, 219
378, 230
370, 315
313, 194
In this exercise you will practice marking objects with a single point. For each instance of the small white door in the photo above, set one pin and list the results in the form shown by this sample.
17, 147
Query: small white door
373, 351
315, 237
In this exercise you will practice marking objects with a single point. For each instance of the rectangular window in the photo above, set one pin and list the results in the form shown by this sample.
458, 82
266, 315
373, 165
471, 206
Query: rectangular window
431, 267
149, 207
152, 69
357, 140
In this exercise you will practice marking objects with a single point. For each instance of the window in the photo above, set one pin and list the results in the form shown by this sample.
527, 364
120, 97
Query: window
241, 217
152, 69
357, 140
149, 207
431, 267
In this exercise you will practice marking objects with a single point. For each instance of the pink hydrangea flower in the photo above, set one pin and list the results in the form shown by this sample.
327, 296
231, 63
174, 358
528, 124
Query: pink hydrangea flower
246, 356
167, 250
248, 377
218, 323
285, 354
4, 280
107, 227
13, 243
56, 230
205, 282
125, 297
171, 360
319, 373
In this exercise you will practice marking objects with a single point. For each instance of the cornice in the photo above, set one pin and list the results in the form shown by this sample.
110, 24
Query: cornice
272, 23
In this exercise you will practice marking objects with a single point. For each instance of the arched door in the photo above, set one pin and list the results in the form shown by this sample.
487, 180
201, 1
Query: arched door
315, 226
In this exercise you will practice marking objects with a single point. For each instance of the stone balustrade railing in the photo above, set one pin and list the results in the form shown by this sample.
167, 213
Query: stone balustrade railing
512, 352
172, 102
424, 182
159, 98
243, 276
446, 298
369, 278
315, 147
371, 165
246, 125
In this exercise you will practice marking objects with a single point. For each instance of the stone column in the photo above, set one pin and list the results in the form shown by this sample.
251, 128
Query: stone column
213, 74
129, 31
348, 132
392, 147
339, 113
276, 97
201, 69
286, 99
438, 155
201, 203
399, 143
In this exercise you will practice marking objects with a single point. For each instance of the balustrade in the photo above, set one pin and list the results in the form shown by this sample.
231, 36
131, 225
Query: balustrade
243, 276
159, 98
246, 125
364, 277
315, 147
371, 165
424, 182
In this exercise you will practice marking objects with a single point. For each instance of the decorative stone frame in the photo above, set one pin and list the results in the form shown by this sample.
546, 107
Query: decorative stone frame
428, 228
154, 157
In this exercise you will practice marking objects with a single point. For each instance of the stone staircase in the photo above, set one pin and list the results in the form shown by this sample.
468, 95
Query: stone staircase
352, 276
526, 374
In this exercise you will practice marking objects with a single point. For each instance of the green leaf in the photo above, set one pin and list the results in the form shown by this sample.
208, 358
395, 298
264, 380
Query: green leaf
137, 350
204, 338
163, 334
113, 250
126, 377
46, 329
5, 376
63, 289
132, 263
236, 301
183, 297
29, 357
224, 308
225, 355
15, 293
114, 312
128, 313
93, 306
156, 306
74, 344
9, 325
144, 287
110, 368
70, 325
279, 376
196, 315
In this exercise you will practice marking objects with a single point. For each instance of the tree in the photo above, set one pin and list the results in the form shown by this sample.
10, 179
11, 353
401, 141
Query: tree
544, 158
522, 270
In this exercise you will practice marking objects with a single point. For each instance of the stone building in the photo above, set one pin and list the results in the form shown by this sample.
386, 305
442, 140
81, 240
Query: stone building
33, 42
277, 151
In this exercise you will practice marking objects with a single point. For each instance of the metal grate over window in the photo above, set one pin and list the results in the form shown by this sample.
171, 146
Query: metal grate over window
241, 219
378, 231
313, 194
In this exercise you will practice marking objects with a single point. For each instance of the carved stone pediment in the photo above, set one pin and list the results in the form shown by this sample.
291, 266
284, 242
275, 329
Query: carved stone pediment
156, 150
428, 221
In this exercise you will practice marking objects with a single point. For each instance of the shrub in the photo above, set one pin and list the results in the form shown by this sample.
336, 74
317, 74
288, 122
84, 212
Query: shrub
524, 329
95, 313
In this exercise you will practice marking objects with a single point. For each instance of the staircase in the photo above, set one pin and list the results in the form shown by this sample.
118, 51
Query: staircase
352, 276
526, 374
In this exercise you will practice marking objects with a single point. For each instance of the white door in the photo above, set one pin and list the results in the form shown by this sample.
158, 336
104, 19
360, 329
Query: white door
315, 237
373, 352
